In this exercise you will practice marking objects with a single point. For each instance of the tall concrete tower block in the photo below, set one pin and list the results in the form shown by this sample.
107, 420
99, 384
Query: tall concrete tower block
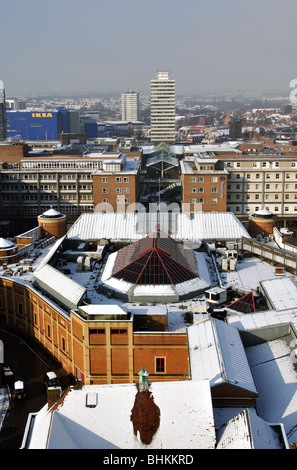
163, 108
3, 121
130, 106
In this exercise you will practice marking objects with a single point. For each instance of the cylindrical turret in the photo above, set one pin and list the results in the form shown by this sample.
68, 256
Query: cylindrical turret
53, 223
9, 252
262, 222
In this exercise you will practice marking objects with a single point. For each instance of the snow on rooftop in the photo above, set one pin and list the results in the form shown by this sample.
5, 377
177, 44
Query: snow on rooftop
275, 376
60, 286
217, 355
4, 243
249, 431
186, 418
131, 226
281, 293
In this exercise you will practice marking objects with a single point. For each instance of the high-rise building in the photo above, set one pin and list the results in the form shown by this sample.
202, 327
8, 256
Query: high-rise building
3, 122
162, 108
129, 106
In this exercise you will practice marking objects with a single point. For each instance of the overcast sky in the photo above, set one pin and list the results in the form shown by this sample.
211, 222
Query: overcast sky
112, 45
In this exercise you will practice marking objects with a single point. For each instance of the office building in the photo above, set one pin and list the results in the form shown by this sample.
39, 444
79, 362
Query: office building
3, 121
72, 184
162, 108
129, 106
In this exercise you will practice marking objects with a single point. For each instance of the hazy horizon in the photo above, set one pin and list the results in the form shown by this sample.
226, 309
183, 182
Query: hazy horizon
219, 46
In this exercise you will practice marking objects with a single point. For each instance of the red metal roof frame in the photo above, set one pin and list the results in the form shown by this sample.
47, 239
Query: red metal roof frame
174, 271
241, 300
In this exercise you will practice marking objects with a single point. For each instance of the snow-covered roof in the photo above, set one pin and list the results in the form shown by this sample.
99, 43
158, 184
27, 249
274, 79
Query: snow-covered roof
249, 431
131, 226
186, 418
4, 243
281, 294
217, 354
51, 213
62, 287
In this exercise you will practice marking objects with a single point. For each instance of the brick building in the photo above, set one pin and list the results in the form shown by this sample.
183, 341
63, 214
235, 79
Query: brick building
30, 182
203, 184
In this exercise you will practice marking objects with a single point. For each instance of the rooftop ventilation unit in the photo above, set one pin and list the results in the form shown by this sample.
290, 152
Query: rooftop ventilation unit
91, 400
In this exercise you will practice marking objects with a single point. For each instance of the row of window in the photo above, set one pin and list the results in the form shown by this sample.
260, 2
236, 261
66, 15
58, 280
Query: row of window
258, 175
258, 164
60, 164
125, 200
200, 179
259, 186
200, 200
117, 190
248, 209
267, 196
118, 179
201, 190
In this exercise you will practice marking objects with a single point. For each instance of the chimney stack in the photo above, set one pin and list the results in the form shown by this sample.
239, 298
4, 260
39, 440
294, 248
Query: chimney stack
53, 395
143, 383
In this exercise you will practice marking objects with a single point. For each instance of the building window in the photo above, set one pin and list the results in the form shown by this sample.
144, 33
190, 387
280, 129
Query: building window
118, 331
104, 179
118, 179
63, 345
126, 179
20, 309
118, 190
193, 190
160, 365
214, 179
193, 179
105, 190
214, 190
200, 179
214, 200
193, 200
48, 330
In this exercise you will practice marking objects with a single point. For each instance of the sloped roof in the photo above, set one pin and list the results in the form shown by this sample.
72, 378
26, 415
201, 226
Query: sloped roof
156, 259
246, 304
185, 421
217, 354
133, 226
249, 431
60, 286
4, 243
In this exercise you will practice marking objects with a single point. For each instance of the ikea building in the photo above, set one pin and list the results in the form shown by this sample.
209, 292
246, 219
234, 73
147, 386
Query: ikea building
41, 125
